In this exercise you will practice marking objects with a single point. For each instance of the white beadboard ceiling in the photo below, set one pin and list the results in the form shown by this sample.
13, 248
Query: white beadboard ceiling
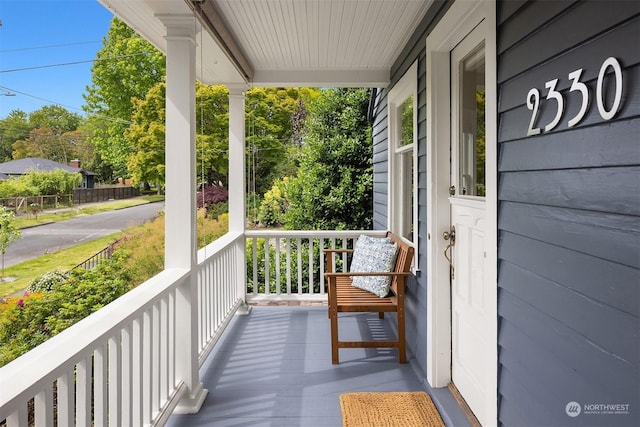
289, 42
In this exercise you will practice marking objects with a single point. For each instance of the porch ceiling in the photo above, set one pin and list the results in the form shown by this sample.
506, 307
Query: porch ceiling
287, 42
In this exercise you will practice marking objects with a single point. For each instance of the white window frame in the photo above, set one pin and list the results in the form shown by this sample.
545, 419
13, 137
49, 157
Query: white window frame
406, 87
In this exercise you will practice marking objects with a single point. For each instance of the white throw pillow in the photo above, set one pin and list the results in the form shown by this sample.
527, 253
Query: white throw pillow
372, 255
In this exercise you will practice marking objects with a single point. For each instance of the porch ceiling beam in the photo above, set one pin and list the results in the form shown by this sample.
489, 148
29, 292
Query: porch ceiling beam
322, 78
212, 20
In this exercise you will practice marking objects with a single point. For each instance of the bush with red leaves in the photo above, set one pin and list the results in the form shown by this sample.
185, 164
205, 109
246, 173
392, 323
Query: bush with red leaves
211, 195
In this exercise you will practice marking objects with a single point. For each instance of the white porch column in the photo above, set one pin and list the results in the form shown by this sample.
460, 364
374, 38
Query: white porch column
180, 202
237, 181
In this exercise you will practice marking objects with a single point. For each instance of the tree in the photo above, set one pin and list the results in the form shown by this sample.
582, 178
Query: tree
8, 232
56, 118
334, 185
125, 69
146, 163
12, 128
271, 114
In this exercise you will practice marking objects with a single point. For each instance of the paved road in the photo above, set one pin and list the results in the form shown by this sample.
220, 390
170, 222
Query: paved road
43, 239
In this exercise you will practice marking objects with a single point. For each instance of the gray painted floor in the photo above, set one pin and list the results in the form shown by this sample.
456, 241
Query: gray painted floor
273, 368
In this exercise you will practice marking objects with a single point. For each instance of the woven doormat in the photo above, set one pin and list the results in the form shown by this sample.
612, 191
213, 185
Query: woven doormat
394, 409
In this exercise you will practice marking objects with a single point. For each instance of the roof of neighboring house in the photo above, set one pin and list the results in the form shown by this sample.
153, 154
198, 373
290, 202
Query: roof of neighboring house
29, 164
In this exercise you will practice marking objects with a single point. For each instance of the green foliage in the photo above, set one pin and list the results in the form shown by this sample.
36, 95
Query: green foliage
12, 128
275, 120
47, 282
274, 204
8, 231
28, 321
147, 134
334, 185
52, 182
127, 67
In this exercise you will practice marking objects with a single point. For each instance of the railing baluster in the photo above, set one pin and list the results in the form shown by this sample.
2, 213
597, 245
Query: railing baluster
277, 243
321, 264
19, 418
310, 265
288, 249
299, 251
145, 364
127, 376
136, 368
267, 272
43, 406
114, 381
164, 348
100, 386
155, 358
66, 398
254, 252
172, 340
83, 391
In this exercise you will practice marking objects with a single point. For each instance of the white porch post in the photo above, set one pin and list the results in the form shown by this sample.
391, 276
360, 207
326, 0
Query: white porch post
180, 204
237, 181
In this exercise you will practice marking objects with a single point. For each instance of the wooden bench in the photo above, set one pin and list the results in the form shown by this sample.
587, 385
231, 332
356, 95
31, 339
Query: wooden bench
343, 297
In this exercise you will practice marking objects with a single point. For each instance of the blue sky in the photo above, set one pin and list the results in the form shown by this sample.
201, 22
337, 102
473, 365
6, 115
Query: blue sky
38, 33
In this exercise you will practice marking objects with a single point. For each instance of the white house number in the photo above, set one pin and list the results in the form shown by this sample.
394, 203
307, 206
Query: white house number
533, 97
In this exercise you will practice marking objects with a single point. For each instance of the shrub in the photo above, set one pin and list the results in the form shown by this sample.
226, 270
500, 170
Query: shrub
48, 281
274, 205
211, 194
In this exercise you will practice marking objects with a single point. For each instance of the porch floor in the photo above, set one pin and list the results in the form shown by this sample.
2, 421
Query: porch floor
273, 368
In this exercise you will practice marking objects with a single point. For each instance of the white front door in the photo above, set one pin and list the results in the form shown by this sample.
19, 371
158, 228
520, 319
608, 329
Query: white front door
470, 316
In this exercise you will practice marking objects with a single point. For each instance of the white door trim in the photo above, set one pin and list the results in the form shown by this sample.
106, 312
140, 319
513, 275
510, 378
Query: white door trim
460, 19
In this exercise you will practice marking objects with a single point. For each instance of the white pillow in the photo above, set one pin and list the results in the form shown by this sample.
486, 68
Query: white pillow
373, 255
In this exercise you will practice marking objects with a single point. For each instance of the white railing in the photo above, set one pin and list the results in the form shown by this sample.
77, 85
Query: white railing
289, 265
120, 366
221, 288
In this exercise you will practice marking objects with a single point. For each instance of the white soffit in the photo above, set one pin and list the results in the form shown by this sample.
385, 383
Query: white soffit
293, 42
143, 17
322, 42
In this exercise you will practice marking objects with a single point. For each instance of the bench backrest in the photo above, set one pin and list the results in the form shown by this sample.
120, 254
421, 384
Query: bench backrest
403, 260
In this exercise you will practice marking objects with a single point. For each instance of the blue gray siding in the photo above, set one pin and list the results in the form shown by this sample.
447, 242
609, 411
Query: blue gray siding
569, 226
416, 304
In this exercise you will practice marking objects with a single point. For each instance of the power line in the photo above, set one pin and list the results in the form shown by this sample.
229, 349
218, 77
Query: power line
72, 63
51, 46
126, 122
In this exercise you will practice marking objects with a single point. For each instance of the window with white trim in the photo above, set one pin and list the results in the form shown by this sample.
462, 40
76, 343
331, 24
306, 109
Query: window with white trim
403, 135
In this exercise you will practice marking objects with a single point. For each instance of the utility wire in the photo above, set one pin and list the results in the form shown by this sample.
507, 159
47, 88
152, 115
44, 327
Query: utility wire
72, 63
111, 119
48, 47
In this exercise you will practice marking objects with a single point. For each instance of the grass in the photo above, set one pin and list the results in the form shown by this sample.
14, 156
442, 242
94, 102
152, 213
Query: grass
64, 260
72, 212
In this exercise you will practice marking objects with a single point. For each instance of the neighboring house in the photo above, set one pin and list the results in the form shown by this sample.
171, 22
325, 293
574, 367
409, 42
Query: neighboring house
15, 168
525, 147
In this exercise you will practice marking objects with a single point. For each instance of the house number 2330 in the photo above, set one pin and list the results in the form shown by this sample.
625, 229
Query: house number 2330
533, 97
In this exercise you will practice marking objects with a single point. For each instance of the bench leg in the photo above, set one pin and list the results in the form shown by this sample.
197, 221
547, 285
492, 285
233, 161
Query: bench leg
402, 344
333, 314
381, 315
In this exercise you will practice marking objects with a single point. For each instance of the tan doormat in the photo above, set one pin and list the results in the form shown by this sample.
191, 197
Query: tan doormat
394, 409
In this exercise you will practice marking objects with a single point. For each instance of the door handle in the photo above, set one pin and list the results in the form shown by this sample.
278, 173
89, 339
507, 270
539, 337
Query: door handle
450, 236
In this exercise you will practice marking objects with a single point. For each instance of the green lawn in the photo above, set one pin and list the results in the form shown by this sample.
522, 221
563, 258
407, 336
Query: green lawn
64, 259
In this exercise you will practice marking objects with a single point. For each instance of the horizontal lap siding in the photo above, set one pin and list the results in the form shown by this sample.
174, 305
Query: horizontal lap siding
415, 50
569, 216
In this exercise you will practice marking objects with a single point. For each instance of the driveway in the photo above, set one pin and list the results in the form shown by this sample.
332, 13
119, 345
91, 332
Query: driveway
43, 239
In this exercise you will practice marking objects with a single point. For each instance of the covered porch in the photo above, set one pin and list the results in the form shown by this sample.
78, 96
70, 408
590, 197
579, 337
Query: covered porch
189, 346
